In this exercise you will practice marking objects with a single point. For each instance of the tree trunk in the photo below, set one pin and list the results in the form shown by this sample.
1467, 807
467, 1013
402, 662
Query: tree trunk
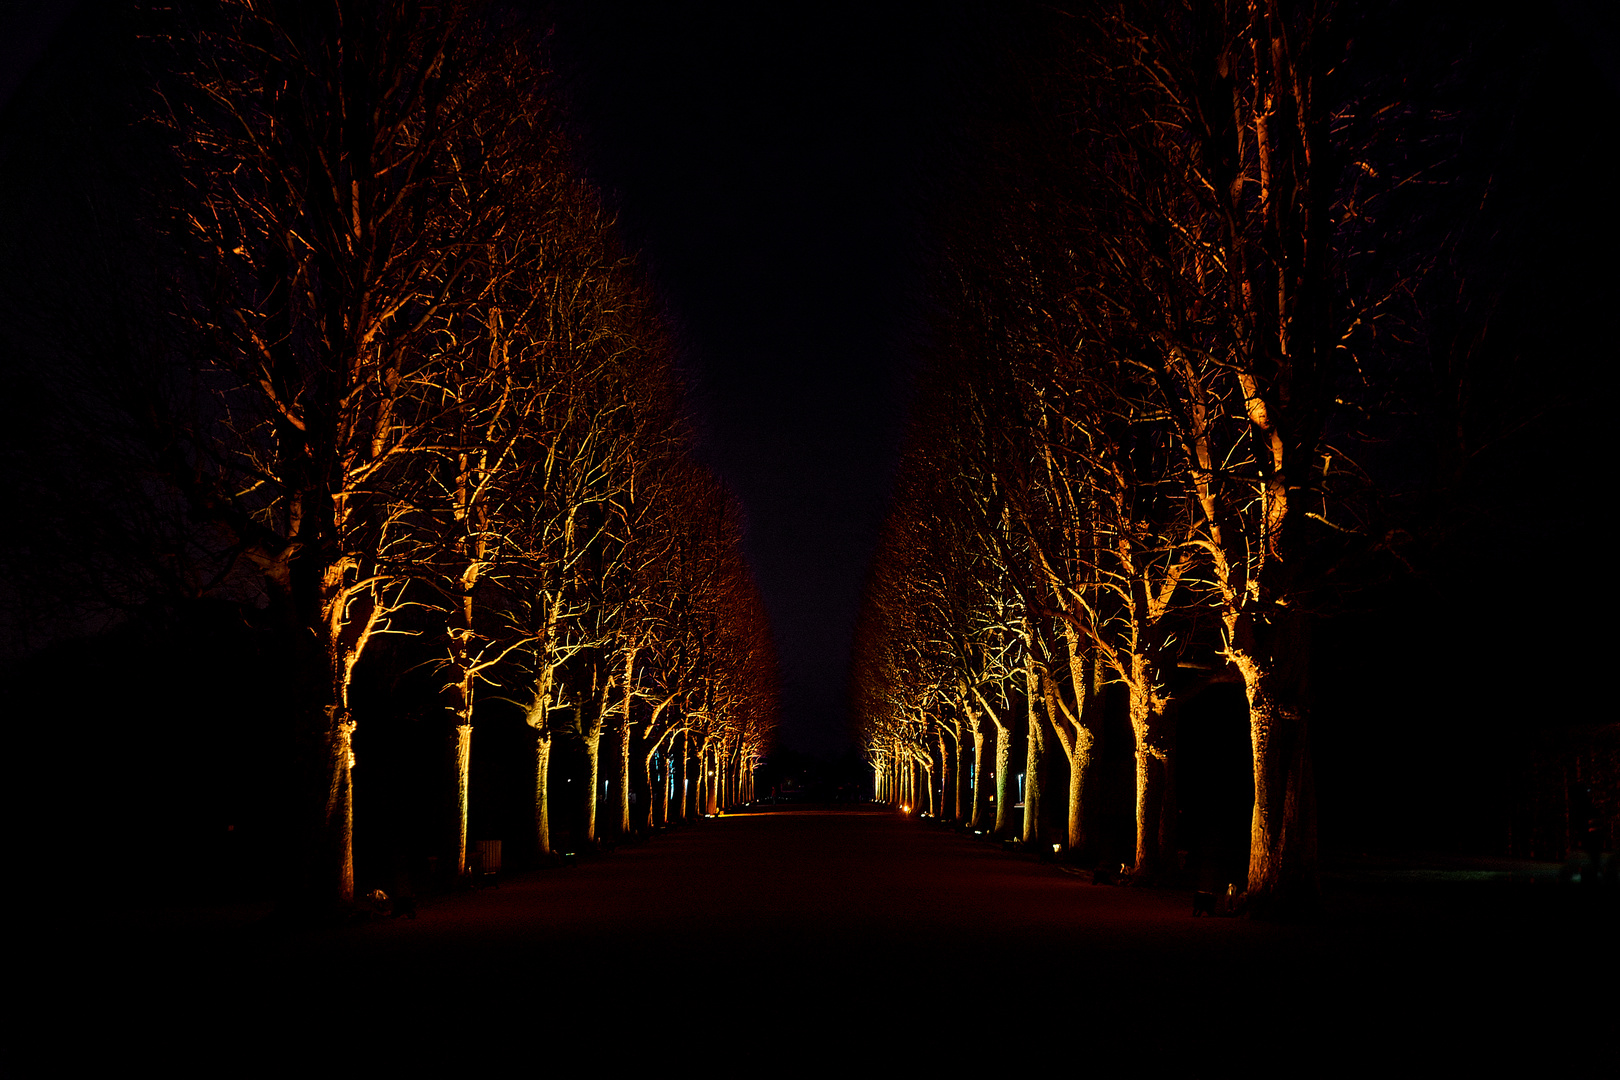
1034, 746
462, 748
537, 716
981, 791
711, 800
542, 799
653, 816
1282, 834
677, 778
624, 733
593, 749
665, 782
343, 756
622, 824
700, 759
952, 809
691, 780
1004, 779
1152, 752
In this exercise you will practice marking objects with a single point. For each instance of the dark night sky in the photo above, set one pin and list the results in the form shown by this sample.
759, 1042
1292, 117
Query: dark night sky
771, 163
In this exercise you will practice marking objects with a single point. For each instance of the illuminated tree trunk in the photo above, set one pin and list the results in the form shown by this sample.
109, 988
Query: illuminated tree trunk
344, 755
461, 742
660, 809
675, 770
537, 716
688, 781
700, 763
980, 790
711, 793
683, 790
958, 760
542, 796
1077, 737
658, 766
1034, 745
677, 779
1282, 834
326, 663
700, 789
461, 706
1152, 753
592, 735
1004, 778
623, 743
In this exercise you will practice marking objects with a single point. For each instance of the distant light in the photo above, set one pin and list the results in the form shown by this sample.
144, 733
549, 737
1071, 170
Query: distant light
1056, 848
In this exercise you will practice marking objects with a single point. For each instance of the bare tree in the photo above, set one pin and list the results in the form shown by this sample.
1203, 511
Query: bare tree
326, 237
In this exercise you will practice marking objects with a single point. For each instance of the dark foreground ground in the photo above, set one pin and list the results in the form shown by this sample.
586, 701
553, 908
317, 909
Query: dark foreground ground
769, 943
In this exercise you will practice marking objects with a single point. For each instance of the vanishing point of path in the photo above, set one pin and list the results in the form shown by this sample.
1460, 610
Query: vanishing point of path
806, 926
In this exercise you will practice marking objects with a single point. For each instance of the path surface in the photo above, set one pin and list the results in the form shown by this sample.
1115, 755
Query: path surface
811, 926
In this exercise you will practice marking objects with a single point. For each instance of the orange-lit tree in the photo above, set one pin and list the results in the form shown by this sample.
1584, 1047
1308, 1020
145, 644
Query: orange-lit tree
1231, 177
938, 647
325, 239
493, 382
